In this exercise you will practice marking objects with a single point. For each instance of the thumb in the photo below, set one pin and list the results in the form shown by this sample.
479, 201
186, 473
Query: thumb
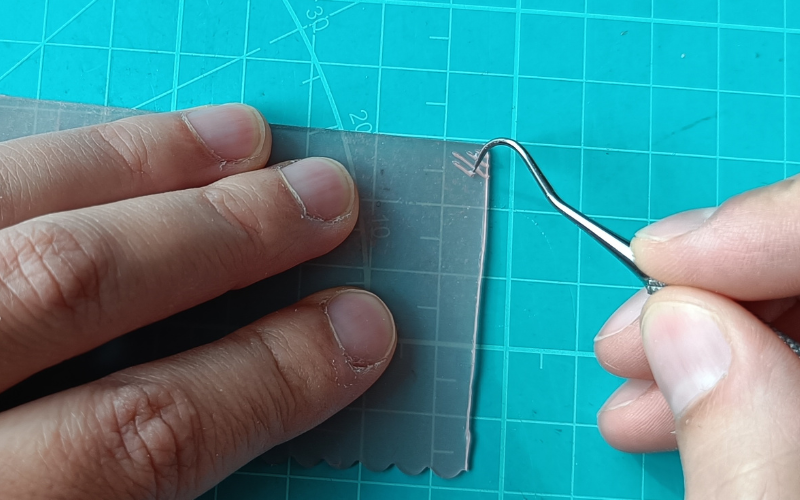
734, 388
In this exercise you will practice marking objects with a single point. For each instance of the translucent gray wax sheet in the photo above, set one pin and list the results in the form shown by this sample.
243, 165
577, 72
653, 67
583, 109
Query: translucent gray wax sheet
419, 244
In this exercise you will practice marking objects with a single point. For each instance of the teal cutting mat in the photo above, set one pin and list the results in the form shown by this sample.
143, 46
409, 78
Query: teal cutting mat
635, 109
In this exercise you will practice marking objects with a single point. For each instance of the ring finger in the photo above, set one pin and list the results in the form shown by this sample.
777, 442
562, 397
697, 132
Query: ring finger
173, 428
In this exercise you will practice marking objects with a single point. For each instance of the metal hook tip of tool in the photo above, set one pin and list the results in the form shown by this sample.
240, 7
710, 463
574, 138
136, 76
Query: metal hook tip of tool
614, 243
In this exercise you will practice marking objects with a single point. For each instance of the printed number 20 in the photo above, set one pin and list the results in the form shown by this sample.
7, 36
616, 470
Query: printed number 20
360, 121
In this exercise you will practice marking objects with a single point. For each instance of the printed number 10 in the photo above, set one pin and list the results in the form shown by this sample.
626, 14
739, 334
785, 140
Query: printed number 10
379, 231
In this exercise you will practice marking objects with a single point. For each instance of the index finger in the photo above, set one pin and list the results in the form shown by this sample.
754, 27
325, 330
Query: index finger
128, 158
746, 249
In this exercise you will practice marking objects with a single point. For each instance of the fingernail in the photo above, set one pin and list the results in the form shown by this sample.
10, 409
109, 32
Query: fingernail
627, 394
676, 225
625, 316
363, 326
231, 131
687, 351
322, 187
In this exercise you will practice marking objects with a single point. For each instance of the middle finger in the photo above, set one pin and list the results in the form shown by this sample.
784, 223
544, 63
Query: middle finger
619, 347
74, 280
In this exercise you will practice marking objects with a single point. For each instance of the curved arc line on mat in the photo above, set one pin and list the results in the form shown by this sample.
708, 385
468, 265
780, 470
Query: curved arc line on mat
365, 253
296, 30
315, 62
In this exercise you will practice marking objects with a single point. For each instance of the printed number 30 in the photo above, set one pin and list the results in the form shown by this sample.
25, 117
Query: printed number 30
318, 24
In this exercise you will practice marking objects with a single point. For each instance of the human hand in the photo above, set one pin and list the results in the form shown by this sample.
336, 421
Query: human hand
727, 389
109, 228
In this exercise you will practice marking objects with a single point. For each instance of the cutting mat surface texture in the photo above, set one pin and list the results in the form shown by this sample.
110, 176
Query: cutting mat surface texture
634, 109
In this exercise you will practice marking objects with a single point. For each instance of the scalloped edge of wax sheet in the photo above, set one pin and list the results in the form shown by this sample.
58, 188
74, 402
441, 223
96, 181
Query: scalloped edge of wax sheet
310, 461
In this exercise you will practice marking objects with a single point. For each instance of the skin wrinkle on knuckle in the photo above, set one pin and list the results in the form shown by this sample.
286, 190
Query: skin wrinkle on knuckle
244, 222
284, 249
127, 146
281, 404
228, 421
53, 271
271, 225
154, 434
294, 371
237, 212
12, 164
304, 361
